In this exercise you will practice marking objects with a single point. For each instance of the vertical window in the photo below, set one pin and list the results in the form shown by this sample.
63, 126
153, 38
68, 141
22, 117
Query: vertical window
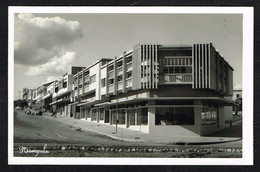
103, 82
65, 84
93, 79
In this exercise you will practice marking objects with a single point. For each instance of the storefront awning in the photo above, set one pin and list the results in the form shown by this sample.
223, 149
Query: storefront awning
90, 103
217, 100
60, 101
47, 96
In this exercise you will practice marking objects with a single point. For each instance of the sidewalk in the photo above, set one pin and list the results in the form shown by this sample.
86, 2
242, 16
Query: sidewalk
136, 136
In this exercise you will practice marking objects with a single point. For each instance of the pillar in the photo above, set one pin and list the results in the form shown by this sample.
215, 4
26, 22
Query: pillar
98, 115
126, 119
90, 111
136, 116
151, 116
86, 114
110, 118
221, 118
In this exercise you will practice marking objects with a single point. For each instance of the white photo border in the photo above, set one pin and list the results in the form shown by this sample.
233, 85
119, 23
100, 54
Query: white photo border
248, 76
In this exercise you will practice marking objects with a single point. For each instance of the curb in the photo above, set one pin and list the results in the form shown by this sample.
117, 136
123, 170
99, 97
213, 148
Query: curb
205, 143
142, 141
99, 132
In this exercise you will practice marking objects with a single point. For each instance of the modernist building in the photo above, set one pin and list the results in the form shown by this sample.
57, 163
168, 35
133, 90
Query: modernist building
162, 89
61, 93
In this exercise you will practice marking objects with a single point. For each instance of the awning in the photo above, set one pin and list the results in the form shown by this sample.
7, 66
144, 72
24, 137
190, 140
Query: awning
47, 96
39, 100
62, 94
60, 101
90, 103
217, 100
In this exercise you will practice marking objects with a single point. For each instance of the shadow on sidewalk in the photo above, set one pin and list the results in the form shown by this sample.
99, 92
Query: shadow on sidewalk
233, 131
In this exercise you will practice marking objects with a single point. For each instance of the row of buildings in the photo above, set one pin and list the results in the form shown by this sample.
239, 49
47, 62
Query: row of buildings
156, 89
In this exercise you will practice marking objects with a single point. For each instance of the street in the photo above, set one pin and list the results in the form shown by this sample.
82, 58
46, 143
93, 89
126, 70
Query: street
64, 140
41, 129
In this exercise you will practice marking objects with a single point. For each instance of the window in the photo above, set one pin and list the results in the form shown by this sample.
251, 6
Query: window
56, 89
93, 79
119, 78
65, 84
174, 116
110, 81
129, 75
120, 63
101, 114
103, 82
209, 116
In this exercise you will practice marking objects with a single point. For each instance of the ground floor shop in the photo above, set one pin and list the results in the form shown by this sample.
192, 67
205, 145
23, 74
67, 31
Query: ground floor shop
167, 117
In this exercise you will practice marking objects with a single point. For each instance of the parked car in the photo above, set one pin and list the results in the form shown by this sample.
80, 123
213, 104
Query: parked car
18, 108
37, 112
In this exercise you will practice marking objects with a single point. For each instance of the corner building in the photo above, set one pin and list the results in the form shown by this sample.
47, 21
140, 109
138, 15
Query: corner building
157, 89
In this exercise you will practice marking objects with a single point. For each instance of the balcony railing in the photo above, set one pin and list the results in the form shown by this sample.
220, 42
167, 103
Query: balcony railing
119, 71
178, 78
80, 91
129, 67
80, 81
129, 82
110, 88
110, 74
86, 88
120, 85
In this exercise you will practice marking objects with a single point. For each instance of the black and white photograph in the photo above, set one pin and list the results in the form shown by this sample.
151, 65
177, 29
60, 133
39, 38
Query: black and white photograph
118, 85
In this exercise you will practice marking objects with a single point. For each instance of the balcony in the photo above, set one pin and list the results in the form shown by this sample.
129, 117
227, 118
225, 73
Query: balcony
80, 81
120, 85
119, 71
175, 78
110, 74
111, 88
86, 88
80, 91
129, 66
129, 82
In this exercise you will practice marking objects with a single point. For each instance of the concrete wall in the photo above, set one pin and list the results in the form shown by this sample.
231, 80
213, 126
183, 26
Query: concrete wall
228, 113
213, 68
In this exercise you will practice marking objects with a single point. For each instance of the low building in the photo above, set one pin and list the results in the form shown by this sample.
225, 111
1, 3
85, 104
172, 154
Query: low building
162, 89
237, 97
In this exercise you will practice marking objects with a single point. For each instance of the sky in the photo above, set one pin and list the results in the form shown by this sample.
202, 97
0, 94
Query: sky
47, 45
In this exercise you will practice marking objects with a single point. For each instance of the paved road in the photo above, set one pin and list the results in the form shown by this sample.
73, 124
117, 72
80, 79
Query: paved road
41, 129
33, 131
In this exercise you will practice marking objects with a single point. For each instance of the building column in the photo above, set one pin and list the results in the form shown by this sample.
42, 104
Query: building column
124, 72
221, 118
91, 114
115, 76
197, 115
136, 116
98, 115
86, 114
110, 118
151, 116
126, 119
